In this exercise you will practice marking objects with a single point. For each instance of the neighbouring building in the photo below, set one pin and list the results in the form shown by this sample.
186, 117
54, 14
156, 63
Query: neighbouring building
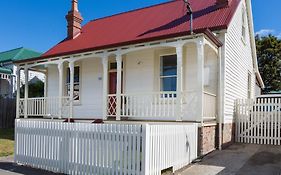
148, 65
8, 69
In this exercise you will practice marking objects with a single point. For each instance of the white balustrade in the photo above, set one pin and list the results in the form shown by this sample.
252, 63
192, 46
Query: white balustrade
44, 107
163, 105
210, 106
154, 105
147, 105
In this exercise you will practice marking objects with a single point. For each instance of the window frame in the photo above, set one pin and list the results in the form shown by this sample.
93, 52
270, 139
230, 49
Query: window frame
161, 71
249, 85
67, 85
243, 31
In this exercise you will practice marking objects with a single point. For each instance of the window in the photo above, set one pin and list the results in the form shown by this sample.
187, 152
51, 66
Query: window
249, 85
76, 94
243, 24
113, 66
168, 73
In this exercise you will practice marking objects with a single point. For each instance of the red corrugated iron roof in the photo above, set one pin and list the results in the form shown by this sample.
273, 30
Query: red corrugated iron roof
147, 24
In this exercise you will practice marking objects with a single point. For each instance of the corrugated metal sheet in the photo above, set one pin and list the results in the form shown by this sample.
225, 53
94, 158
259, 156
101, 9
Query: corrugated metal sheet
147, 24
18, 54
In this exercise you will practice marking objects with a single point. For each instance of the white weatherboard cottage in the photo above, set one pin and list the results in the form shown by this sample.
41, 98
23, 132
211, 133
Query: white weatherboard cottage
161, 74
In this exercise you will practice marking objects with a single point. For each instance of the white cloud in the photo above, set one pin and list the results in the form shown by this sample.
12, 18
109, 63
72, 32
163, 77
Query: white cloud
279, 36
265, 32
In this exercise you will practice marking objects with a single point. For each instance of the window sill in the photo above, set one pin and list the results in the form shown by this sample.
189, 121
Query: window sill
77, 103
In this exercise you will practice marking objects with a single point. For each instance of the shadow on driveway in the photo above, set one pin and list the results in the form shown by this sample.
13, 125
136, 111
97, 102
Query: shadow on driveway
7, 167
240, 159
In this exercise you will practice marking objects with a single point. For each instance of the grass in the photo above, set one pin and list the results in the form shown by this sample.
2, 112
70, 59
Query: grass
6, 142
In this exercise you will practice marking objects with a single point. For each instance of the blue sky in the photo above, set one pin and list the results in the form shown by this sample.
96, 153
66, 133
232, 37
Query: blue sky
41, 24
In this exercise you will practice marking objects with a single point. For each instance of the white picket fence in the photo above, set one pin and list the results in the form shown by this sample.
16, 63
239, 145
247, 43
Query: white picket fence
259, 121
84, 148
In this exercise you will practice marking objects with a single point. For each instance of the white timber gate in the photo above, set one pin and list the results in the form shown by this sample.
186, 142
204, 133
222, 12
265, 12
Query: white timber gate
258, 121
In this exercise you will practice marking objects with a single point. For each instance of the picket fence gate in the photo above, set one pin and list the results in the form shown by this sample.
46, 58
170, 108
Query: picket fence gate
84, 148
259, 121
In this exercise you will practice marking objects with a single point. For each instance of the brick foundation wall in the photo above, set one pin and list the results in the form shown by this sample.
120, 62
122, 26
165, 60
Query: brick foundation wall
208, 137
228, 136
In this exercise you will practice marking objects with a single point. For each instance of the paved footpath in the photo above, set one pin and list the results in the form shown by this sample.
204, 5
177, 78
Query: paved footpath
7, 167
239, 159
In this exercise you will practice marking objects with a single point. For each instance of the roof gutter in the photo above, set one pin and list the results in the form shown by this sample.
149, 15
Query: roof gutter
211, 36
253, 43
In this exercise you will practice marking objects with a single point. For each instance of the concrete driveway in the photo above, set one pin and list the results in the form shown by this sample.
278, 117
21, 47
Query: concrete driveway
239, 159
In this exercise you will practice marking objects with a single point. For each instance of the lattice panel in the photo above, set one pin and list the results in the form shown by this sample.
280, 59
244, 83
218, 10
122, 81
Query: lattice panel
111, 110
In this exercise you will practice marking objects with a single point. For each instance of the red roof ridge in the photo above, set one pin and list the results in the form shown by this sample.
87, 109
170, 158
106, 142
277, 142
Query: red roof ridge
133, 10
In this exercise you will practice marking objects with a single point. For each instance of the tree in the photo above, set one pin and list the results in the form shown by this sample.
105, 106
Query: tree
35, 89
269, 60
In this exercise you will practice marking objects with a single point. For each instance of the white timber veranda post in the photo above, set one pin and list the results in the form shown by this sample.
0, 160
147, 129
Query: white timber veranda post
105, 86
119, 86
10, 80
220, 106
71, 71
200, 76
18, 93
60, 69
46, 83
179, 50
26, 77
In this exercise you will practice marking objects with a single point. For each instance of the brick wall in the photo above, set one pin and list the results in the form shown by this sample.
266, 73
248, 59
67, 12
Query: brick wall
228, 136
207, 139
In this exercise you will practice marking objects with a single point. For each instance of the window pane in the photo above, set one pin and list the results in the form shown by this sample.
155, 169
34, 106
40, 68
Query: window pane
169, 65
68, 76
169, 84
113, 66
76, 93
76, 74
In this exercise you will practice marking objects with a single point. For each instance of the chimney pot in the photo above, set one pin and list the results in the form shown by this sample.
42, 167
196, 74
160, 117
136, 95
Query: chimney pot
223, 2
74, 21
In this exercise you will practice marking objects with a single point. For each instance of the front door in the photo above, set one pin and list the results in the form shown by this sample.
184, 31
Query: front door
112, 82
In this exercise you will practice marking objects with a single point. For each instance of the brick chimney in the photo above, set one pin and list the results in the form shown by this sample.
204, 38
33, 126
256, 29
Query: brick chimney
74, 20
223, 2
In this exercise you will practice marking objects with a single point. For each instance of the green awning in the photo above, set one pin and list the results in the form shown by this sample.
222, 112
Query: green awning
5, 71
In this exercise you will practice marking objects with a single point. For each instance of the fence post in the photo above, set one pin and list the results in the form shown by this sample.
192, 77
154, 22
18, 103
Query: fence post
18, 93
26, 78
145, 148
15, 139
236, 119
